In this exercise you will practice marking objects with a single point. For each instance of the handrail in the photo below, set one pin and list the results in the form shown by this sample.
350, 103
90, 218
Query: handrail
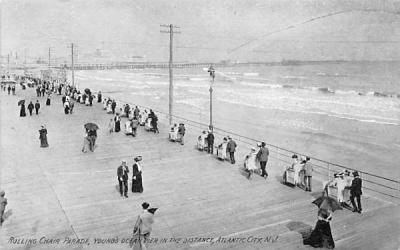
218, 131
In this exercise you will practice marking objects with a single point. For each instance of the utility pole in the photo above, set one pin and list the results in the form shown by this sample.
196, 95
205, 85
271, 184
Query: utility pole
171, 86
25, 71
49, 58
8, 64
211, 70
72, 65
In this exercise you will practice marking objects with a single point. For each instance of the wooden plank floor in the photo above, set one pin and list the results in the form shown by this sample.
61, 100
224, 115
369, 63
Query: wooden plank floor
61, 192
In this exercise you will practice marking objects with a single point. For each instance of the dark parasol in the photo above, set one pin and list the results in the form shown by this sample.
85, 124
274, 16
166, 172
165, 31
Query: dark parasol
91, 126
327, 202
152, 210
21, 102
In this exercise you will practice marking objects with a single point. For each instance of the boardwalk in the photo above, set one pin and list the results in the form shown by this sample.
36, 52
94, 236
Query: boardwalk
60, 193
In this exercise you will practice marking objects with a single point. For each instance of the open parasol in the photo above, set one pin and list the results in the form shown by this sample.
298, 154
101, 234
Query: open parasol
21, 102
87, 91
152, 210
91, 126
327, 202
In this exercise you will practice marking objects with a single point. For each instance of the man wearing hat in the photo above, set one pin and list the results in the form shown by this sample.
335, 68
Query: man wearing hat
262, 156
122, 173
308, 171
355, 192
3, 204
144, 224
231, 148
181, 132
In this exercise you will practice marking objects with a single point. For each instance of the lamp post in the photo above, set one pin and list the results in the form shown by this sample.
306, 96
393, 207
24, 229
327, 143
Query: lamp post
211, 70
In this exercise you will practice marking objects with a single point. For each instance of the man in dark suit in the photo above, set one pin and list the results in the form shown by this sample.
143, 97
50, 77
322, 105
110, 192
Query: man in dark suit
37, 106
231, 148
122, 173
355, 192
262, 156
210, 142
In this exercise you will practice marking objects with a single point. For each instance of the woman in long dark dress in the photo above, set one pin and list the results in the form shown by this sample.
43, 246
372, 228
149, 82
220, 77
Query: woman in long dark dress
22, 112
321, 236
117, 126
43, 137
48, 100
137, 185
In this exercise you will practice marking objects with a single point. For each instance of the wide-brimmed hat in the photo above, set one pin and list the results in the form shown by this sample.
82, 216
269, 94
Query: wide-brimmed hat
138, 158
145, 205
355, 173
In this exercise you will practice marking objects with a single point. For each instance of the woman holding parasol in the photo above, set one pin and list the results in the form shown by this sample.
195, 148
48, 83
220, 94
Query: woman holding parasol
321, 236
22, 112
91, 136
43, 137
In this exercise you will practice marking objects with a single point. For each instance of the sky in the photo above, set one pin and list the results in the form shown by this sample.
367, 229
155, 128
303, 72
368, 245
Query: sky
239, 30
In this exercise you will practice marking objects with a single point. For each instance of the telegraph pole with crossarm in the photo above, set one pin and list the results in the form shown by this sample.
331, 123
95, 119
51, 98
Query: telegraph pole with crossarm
171, 86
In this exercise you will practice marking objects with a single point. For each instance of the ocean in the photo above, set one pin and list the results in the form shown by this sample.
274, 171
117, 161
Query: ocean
347, 113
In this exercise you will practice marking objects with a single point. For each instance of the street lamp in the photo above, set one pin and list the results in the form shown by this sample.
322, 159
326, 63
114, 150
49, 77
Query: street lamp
211, 70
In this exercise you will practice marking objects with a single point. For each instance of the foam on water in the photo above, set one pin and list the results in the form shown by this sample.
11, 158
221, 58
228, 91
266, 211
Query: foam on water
251, 74
192, 90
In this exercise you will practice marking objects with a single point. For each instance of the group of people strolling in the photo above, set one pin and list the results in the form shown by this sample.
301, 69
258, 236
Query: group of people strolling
177, 133
135, 116
302, 171
122, 175
257, 159
347, 185
30, 107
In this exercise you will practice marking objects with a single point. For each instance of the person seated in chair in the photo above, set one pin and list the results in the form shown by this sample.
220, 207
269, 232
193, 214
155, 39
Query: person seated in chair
221, 149
201, 141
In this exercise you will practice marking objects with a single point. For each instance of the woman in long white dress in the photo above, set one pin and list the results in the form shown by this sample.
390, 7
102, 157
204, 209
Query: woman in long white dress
297, 169
251, 162
148, 125
128, 128
221, 150
173, 134
109, 109
105, 103
142, 118
201, 141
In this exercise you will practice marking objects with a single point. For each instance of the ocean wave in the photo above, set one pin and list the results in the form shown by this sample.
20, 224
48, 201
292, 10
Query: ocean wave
251, 74
347, 92
342, 116
383, 94
198, 79
323, 74
325, 90
293, 77
259, 84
